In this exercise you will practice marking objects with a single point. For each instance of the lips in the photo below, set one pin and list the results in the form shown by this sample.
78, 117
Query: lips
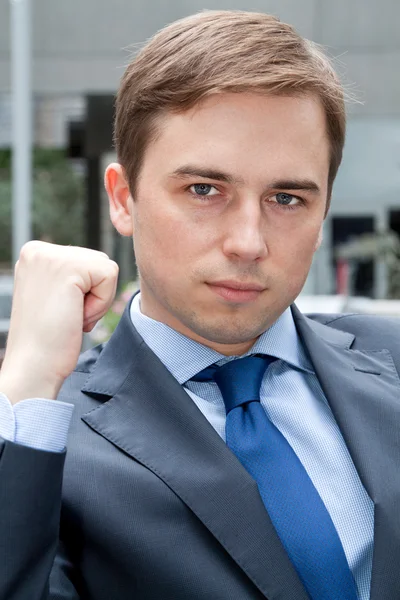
238, 285
236, 291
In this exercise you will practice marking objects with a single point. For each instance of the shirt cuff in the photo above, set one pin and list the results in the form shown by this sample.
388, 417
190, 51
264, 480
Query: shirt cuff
37, 423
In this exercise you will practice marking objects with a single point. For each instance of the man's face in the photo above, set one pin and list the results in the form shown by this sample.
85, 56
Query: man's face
229, 208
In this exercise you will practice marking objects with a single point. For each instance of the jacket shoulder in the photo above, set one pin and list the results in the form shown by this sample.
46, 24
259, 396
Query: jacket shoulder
88, 359
370, 331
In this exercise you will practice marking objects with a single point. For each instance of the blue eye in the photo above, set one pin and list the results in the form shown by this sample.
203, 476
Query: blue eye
285, 199
202, 189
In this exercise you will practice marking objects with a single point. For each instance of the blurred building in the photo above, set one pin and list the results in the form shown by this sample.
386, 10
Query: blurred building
81, 47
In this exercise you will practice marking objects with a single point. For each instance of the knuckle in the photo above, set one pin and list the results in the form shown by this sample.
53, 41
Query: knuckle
30, 250
111, 270
99, 254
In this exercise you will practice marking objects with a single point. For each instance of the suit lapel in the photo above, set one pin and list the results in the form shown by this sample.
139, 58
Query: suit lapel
363, 390
150, 417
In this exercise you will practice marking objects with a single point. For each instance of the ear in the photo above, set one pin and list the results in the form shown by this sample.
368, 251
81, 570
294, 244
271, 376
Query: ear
120, 199
319, 239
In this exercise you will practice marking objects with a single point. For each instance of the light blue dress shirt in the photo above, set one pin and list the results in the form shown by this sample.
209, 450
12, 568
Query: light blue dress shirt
290, 394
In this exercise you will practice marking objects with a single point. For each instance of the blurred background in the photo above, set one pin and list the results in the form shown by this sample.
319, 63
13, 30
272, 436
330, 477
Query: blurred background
60, 65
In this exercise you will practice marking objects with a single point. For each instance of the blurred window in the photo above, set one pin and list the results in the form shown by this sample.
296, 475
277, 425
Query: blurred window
5, 306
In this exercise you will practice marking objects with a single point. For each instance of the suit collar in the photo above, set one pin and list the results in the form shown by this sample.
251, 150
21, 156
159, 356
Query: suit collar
306, 326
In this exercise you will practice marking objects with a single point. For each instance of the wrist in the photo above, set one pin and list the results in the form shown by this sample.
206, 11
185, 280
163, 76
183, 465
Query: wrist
24, 384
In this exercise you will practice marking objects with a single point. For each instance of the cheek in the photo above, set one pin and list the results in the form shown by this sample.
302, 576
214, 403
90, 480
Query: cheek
164, 240
294, 251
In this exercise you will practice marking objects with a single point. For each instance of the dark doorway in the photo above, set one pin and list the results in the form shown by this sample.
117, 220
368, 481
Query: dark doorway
343, 230
394, 221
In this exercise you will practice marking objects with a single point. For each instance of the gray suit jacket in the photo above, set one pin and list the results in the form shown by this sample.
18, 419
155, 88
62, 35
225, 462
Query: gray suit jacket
153, 504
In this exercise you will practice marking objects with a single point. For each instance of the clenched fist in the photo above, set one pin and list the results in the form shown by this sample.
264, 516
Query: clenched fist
60, 292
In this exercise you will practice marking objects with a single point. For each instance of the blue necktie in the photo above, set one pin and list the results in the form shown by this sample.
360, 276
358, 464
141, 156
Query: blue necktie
297, 512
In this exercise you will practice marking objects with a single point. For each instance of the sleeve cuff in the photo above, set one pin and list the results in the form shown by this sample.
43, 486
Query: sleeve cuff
38, 423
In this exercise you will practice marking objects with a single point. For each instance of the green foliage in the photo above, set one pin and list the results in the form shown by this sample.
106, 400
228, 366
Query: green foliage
105, 327
57, 203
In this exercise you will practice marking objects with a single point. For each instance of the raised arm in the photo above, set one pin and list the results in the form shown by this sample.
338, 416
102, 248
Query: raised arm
60, 292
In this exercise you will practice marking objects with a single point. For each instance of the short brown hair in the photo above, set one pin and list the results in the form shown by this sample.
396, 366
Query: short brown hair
221, 51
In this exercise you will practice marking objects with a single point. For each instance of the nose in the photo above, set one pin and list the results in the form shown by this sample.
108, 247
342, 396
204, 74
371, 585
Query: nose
244, 236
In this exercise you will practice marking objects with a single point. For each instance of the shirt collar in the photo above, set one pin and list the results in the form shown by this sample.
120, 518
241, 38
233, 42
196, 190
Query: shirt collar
184, 357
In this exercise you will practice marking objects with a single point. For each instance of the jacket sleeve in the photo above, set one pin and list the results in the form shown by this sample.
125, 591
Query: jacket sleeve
30, 505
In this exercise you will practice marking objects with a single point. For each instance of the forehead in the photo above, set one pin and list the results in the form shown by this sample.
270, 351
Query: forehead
248, 133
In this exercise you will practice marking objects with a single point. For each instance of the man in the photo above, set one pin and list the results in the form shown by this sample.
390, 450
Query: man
222, 445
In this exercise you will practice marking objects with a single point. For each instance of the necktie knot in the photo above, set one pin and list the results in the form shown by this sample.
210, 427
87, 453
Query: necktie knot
238, 380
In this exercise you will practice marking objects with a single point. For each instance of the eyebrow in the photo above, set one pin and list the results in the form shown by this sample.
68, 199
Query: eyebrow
305, 185
187, 171
193, 171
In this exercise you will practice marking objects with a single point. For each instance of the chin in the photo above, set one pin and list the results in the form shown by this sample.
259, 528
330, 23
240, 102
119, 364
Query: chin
227, 330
